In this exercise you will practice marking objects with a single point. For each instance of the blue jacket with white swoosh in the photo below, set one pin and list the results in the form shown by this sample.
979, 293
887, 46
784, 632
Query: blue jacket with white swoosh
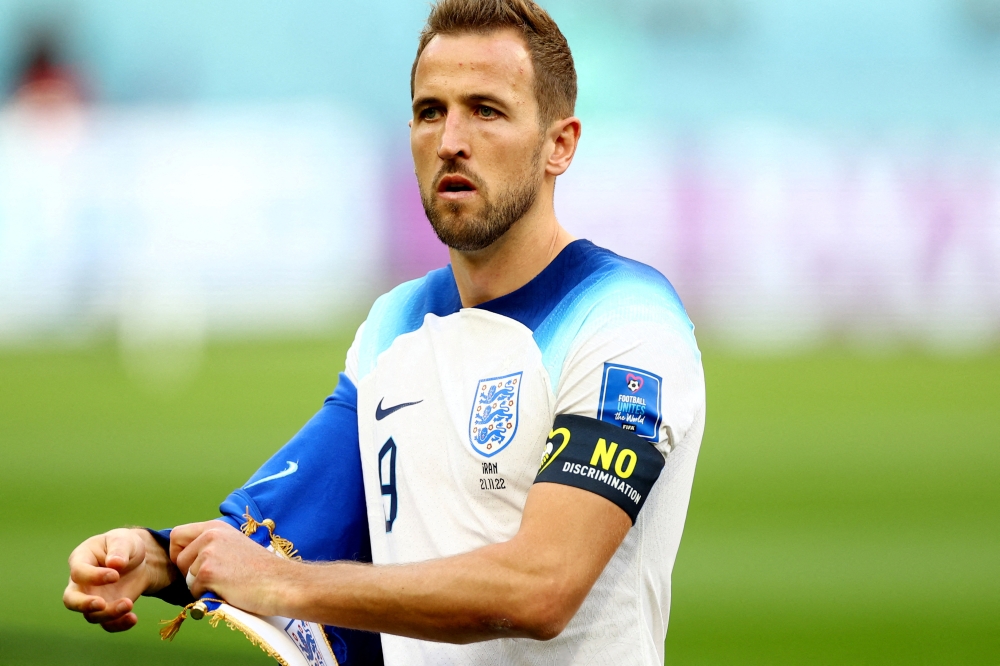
313, 491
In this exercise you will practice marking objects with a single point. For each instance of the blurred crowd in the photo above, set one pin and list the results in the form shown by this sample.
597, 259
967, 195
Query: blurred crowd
801, 172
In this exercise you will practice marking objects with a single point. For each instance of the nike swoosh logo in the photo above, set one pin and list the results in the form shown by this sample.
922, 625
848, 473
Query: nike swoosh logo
291, 469
382, 413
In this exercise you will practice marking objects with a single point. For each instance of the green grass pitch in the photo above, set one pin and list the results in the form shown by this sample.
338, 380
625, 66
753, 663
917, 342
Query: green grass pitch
845, 509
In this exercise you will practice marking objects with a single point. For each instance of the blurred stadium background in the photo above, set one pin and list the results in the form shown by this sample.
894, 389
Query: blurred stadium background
199, 199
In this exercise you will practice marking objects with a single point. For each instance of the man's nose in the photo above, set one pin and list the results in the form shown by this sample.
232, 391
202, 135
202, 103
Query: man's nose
454, 139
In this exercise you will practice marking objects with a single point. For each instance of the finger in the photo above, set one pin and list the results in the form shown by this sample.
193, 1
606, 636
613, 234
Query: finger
85, 563
124, 623
197, 589
124, 550
182, 536
78, 601
198, 586
186, 562
87, 552
192, 549
86, 574
114, 611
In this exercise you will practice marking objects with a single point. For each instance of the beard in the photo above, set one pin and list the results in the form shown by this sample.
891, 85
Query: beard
499, 213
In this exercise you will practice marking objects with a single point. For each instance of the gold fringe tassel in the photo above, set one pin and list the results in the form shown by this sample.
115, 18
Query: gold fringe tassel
216, 616
284, 547
250, 526
281, 546
171, 627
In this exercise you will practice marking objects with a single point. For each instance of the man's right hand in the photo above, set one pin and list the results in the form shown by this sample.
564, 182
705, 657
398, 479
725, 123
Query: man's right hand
108, 572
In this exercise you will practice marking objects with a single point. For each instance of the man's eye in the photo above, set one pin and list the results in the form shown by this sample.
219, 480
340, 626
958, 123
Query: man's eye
487, 112
429, 114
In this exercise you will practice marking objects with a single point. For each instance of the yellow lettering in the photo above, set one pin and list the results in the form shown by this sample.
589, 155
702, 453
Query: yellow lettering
603, 453
625, 473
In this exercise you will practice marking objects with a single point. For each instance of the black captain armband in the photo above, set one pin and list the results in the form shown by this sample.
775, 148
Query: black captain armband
602, 458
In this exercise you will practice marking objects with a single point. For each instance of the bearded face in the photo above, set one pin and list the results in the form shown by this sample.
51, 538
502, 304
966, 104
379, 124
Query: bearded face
476, 136
476, 215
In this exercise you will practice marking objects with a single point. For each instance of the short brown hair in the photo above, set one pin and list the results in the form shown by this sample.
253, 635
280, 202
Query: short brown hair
555, 75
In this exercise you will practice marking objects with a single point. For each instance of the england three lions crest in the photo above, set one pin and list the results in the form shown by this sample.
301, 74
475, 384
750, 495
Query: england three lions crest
493, 421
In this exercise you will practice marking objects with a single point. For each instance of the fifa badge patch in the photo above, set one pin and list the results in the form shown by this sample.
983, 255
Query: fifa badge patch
630, 399
493, 421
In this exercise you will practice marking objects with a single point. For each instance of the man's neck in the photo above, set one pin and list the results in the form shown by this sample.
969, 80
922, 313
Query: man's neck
513, 260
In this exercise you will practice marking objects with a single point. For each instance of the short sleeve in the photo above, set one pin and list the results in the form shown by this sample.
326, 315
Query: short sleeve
639, 371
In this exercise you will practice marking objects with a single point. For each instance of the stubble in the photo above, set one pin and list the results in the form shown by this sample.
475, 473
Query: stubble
500, 212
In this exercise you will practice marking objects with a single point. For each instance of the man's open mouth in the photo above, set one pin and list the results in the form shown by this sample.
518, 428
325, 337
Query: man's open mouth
455, 186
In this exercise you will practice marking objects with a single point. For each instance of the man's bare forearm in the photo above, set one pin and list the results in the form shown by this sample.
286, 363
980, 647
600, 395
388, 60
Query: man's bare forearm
493, 592
530, 586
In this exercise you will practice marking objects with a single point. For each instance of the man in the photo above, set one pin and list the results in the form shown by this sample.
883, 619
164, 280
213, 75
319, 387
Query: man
528, 419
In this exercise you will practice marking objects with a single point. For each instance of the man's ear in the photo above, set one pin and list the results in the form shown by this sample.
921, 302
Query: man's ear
565, 135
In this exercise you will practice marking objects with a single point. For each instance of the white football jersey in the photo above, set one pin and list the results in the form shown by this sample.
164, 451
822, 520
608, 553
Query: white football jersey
455, 406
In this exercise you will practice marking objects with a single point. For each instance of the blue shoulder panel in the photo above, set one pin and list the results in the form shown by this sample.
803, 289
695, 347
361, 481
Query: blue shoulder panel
585, 288
402, 310
621, 293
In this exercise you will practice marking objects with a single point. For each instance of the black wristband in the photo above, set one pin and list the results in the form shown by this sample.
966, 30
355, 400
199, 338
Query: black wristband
603, 458
177, 593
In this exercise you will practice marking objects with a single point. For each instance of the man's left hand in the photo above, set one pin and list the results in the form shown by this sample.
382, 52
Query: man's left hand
220, 559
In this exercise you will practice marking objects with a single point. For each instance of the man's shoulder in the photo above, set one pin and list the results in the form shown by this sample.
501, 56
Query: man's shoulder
581, 278
405, 305
581, 274
618, 275
584, 288
611, 287
621, 305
